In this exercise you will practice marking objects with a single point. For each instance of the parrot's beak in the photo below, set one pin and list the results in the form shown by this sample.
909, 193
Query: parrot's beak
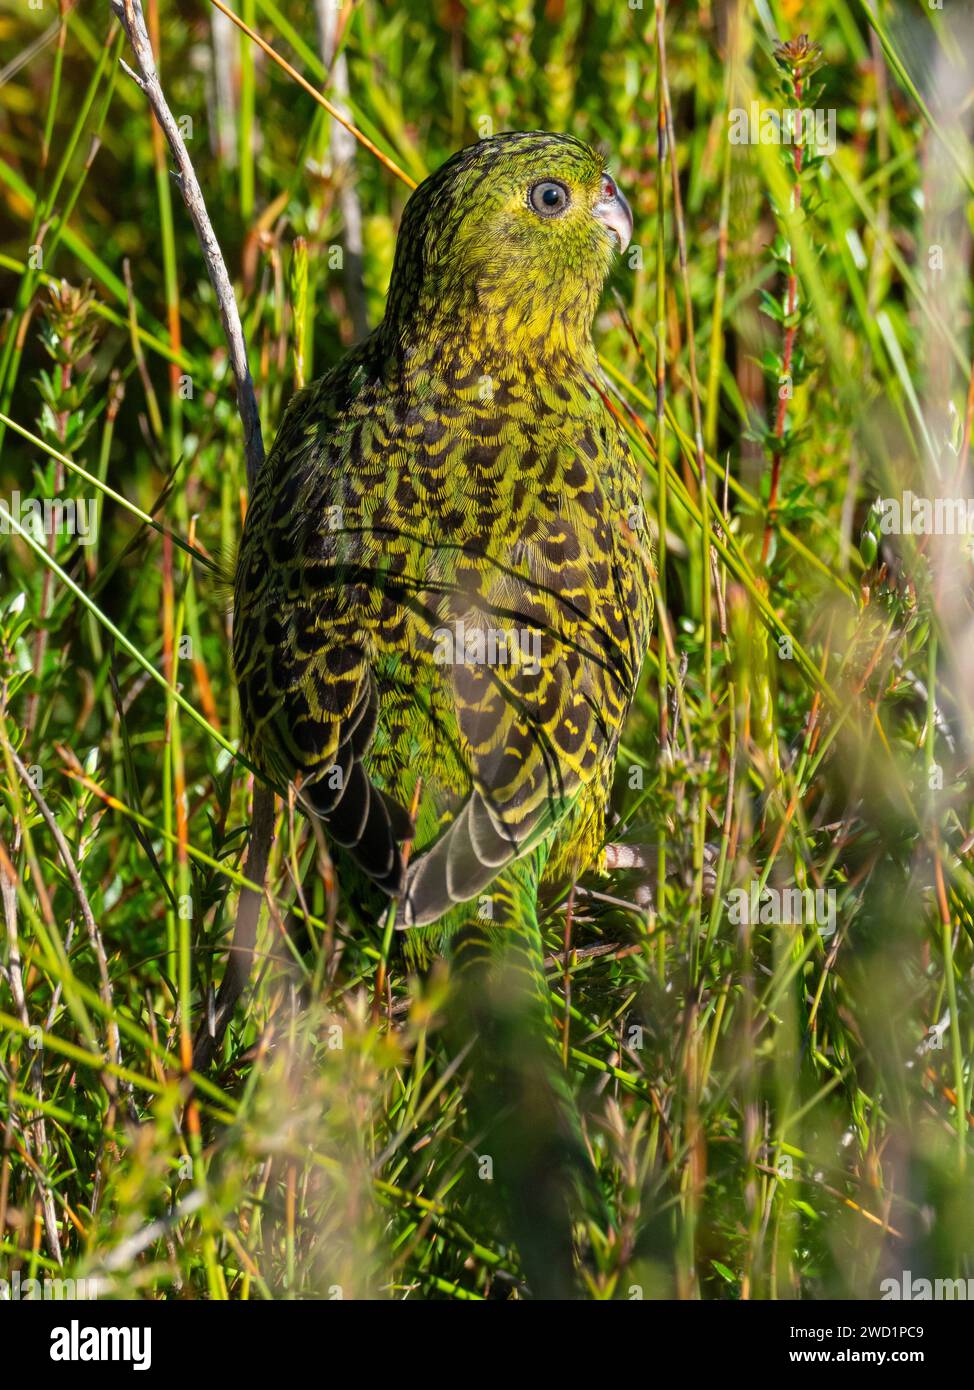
614, 211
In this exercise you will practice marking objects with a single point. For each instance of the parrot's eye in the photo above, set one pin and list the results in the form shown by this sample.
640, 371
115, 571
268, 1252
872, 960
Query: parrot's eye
548, 198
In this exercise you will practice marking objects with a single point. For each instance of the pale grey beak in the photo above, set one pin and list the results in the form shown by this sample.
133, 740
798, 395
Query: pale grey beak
614, 211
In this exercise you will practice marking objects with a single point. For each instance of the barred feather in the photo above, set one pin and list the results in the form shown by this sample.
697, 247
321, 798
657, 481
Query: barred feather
456, 481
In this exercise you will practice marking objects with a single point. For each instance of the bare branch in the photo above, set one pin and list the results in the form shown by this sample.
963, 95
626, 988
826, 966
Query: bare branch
237, 972
130, 15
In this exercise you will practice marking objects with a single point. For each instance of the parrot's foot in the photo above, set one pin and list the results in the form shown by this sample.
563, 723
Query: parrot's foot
642, 862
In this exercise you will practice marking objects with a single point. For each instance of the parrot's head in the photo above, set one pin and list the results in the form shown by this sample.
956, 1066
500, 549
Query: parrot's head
510, 240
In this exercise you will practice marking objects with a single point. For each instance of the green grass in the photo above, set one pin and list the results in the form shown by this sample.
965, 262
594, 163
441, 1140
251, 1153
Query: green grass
763, 1116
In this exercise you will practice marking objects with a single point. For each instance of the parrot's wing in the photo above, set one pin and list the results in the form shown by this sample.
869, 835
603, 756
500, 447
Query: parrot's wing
537, 722
347, 581
306, 687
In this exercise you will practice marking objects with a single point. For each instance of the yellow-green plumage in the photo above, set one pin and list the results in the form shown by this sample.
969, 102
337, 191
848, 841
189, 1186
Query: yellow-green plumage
444, 568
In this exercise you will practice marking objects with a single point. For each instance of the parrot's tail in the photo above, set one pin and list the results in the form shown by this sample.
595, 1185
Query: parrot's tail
529, 1135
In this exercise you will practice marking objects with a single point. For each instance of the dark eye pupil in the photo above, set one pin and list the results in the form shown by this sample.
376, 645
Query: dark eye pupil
548, 197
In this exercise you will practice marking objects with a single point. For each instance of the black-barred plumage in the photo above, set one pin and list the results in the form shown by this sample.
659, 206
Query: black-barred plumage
444, 571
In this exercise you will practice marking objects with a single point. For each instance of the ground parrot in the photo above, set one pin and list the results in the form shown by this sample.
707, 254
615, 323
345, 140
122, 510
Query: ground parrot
442, 603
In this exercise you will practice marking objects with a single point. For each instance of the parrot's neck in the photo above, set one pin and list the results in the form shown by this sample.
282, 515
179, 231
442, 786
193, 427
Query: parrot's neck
495, 324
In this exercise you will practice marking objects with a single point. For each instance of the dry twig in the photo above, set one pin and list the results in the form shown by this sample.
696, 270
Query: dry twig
130, 14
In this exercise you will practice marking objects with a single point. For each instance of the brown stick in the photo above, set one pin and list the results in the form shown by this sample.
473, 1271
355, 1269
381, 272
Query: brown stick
130, 14
237, 973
